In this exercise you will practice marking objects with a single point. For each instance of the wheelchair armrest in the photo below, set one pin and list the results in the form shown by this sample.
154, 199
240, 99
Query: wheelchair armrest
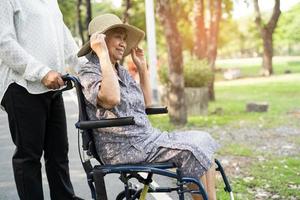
156, 110
104, 123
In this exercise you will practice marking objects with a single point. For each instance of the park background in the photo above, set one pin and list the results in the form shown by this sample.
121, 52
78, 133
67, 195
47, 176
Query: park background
241, 52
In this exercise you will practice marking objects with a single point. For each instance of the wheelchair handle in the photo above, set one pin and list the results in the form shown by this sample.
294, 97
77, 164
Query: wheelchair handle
65, 77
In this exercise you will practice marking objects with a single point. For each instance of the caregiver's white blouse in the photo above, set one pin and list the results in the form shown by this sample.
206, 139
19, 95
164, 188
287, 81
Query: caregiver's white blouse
33, 40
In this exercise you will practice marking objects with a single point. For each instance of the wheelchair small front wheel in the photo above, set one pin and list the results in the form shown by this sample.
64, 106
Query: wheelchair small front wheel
132, 192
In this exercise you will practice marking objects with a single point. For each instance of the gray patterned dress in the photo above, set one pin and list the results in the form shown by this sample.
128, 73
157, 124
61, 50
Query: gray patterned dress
190, 150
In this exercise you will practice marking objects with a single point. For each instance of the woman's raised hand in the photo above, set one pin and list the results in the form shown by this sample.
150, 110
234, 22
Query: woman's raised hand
138, 58
98, 43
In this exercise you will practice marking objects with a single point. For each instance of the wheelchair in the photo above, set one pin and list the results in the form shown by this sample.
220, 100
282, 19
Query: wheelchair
95, 174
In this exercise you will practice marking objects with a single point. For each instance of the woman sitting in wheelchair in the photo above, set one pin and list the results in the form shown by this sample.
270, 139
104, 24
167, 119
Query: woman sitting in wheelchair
111, 92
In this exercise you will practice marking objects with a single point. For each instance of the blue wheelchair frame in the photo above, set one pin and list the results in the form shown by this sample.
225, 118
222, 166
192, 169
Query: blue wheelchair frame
95, 174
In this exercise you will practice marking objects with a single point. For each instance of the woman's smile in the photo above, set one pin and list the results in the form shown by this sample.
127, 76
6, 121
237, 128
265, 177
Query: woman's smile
120, 50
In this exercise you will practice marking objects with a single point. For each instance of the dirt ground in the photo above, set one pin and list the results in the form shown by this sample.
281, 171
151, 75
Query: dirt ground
263, 142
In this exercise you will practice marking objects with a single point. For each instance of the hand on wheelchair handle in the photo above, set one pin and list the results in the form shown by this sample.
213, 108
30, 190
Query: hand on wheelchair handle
67, 85
52, 80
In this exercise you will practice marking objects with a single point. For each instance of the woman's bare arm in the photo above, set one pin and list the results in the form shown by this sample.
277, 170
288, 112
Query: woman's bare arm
109, 92
146, 86
140, 61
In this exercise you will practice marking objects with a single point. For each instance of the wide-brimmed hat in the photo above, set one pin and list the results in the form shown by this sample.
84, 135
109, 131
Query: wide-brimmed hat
107, 22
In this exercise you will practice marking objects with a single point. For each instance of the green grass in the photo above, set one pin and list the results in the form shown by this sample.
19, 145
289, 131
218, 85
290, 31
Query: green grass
161, 122
282, 175
293, 66
279, 176
236, 150
282, 97
239, 190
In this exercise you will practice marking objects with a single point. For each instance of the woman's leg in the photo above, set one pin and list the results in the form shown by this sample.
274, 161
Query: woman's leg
208, 181
195, 187
211, 183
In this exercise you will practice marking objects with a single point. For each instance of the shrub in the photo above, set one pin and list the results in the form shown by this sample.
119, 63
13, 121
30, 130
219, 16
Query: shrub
196, 73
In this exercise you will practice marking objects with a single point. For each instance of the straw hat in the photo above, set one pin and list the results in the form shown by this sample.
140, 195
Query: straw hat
106, 22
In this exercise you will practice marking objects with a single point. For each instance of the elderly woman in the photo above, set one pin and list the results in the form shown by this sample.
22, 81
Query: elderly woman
111, 92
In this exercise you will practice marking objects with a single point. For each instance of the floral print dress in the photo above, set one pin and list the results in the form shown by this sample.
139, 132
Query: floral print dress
190, 150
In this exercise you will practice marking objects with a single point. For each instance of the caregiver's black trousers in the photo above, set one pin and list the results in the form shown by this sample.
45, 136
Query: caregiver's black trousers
37, 124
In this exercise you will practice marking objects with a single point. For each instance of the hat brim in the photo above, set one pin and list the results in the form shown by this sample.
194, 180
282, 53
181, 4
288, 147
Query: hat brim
134, 36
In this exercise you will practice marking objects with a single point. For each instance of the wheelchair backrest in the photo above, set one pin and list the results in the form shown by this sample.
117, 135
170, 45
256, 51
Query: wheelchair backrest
88, 143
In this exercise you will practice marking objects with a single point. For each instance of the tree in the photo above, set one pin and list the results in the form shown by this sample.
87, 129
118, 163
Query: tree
67, 8
199, 28
177, 107
84, 16
88, 14
206, 42
266, 32
126, 16
215, 16
79, 20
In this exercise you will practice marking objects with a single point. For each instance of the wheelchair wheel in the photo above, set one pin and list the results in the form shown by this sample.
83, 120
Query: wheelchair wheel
122, 196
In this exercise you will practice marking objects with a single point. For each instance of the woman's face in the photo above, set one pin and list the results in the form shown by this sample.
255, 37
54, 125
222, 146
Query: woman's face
116, 43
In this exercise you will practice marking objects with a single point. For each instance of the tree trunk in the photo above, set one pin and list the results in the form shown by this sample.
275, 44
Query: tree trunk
266, 32
126, 16
206, 43
80, 28
177, 107
88, 16
200, 48
268, 54
126, 11
215, 17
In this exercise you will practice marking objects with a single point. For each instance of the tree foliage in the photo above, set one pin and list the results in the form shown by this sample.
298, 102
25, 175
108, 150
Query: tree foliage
239, 38
105, 6
287, 34
68, 9
196, 73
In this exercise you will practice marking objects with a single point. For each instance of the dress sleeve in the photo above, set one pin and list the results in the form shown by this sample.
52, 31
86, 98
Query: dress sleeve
11, 53
90, 77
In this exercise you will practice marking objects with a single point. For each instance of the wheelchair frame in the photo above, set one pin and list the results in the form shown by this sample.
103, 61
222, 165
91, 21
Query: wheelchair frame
95, 174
